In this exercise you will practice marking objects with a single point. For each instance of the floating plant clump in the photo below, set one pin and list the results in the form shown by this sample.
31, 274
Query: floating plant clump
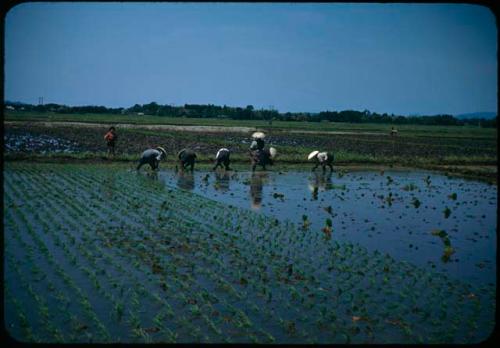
155, 264
448, 250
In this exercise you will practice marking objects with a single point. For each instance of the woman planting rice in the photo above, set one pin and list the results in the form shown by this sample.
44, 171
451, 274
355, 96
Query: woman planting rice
152, 157
258, 141
187, 158
259, 155
263, 158
323, 158
222, 158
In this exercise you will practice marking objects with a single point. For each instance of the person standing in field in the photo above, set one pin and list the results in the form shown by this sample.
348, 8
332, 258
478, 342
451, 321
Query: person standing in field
111, 138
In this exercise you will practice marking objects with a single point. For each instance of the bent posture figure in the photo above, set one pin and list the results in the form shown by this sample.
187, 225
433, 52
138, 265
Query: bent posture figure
323, 158
186, 158
262, 157
152, 157
222, 159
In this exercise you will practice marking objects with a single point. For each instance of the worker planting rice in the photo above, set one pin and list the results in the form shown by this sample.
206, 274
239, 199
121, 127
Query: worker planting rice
258, 141
152, 157
222, 159
321, 158
187, 158
258, 154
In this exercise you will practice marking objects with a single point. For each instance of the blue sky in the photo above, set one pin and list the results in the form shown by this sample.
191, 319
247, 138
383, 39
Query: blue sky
394, 58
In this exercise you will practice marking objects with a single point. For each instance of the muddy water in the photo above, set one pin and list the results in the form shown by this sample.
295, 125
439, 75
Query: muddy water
393, 212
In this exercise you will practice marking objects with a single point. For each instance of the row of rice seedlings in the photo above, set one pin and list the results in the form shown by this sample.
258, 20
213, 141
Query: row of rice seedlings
224, 216
36, 270
89, 273
56, 215
12, 264
64, 302
59, 271
50, 332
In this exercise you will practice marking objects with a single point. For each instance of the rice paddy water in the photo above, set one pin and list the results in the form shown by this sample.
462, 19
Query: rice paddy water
104, 254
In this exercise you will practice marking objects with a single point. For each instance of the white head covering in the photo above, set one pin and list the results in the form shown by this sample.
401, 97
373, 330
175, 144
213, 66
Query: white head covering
258, 135
312, 155
220, 151
162, 150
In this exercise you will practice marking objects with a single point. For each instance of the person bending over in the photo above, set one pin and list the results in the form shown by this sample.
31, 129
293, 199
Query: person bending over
187, 158
222, 159
152, 157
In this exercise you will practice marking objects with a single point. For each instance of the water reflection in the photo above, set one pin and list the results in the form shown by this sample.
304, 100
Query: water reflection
153, 175
185, 180
257, 181
221, 181
319, 181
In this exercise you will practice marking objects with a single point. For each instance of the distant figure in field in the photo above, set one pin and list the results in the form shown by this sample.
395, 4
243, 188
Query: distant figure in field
187, 158
321, 158
111, 138
222, 159
152, 157
394, 131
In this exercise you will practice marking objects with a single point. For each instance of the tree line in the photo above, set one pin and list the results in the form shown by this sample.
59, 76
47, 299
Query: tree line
250, 113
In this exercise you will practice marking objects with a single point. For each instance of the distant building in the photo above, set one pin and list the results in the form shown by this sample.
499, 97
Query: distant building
10, 107
140, 113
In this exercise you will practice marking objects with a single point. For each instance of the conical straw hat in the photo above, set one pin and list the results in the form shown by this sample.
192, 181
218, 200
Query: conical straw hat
159, 148
258, 135
312, 155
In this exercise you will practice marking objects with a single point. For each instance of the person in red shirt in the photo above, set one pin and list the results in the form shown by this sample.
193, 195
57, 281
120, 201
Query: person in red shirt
110, 138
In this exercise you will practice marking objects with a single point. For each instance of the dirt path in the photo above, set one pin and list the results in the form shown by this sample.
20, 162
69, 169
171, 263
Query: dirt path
221, 129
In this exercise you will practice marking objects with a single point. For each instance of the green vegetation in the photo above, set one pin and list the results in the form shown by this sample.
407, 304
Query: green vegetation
250, 113
121, 257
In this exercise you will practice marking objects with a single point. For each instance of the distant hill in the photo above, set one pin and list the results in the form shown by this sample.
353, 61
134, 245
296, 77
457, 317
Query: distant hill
486, 115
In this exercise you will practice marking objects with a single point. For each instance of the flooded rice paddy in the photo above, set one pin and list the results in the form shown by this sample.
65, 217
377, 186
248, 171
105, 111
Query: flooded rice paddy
104, 254
396, 212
